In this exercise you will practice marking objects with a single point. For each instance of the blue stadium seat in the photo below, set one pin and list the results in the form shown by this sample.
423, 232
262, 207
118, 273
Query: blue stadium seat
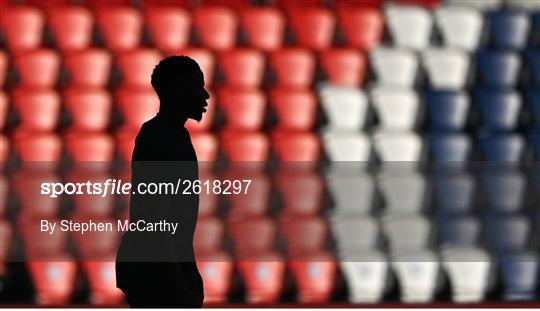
447, 111
509, 29
455, 148
507, 234
498, 68
520, 276
500, 109
503, 149
533, 63
504, 190
454, 192
532, 99
459, 231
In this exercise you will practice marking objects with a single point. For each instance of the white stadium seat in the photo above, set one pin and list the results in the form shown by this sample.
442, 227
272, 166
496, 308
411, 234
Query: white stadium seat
345, 107
409, 26
460, 27
447, 69
397, 108
366, 276
417, 273
393, 186
394, 66
353, 194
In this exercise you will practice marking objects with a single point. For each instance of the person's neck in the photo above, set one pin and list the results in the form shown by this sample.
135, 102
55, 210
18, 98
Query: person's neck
171, 118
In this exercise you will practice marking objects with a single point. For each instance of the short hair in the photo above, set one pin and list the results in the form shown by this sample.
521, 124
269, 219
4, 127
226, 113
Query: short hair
171, 68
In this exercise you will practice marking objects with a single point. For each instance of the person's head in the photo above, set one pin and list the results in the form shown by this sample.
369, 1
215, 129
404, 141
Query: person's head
179, 84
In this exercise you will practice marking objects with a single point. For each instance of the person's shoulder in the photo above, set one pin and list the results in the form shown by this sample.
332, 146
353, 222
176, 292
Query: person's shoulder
147, 128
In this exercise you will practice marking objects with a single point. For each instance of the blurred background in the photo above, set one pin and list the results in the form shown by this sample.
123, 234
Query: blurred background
395, 107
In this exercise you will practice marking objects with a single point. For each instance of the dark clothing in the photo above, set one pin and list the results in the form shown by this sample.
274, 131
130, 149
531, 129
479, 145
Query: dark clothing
157, 269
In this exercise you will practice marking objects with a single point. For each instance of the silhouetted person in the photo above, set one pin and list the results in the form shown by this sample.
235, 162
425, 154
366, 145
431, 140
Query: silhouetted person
157, 269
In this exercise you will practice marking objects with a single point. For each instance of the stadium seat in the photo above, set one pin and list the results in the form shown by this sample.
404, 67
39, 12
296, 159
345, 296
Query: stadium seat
22, 27
429, 4
366, 276
533, 103
216, 26
54, 281
4, 186
296, 147
216, 272
38, 147
344, 66
499, 68
71, 27
504, 149
447, 69
533, 62
264, 27
508, 234
90, 110
208, 234
417, 274
244, 109
4, 151
254, 202
409, 26
102, 282
346, 108
314, 276
207, 121
120, 26
38, 68
136, 66
6, 234
295, 109
460, 26
91, 206
253, 236
505, 191
398, 147
304, 235
38, 110
27, 187
263, 278
468, 270
447, 111
354, 147
527, 6
520, 276
353, 194
301, 194
313, 27
355, 234
242, 68
3, 67
137, 106
245, 146
4, 108
394, 67
455, 231
293, 67
206, 147
89, 68
168, 26
97, 4
509, 29
485, 5
370, 20
397, 108
90, 147
392, 187
206, 62
452, 149
454, 192
124, 143
208, 202
407, 234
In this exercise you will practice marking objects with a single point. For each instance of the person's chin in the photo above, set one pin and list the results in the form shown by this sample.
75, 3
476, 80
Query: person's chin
196, 116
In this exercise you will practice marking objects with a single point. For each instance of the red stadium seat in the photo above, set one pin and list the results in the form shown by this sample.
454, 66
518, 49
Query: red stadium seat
216, 271
264, 27
263, 277
44, 5
245, 146
121, 27
363, 3
4, 151
22, 27
102, 281
294, 67
4, 187
208, 118
40, 245
95, 4
38, 69
252, 236
3, 109
137, 106
344, 66
314, 277
208, 201
6, 233
313, 27
38, 110
96, 245
53, 281
167, 3
38, 147
88, 205
34, 205
3, 67
254, 202
296, 146
125, 141
216, 26
71, 27
208, 235
206, 146
90, 109
89, 68
295, 109
430, 4
304, 235
244, 109
136, 66
90, 147
168, 26
370, 20
242, 67
236, 4
205, 59
302, 193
